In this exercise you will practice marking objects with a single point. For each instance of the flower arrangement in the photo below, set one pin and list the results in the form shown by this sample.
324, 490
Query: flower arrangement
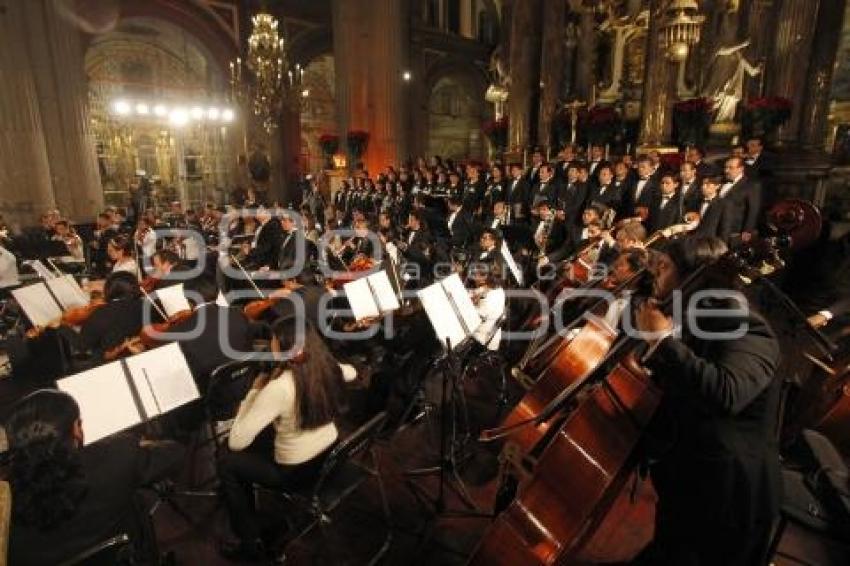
691, 120
357, 141
764, 114
329, 143
600, 125
497, 132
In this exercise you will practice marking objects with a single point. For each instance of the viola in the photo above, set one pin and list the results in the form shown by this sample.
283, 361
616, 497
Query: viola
255, 309
150, 335
149, 283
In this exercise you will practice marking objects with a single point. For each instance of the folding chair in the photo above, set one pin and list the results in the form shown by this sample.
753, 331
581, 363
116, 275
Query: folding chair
349, 465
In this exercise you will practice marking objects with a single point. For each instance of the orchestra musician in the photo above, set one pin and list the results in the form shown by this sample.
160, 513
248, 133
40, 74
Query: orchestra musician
119, 319
66, 234
715, 462
489, 299
121, 255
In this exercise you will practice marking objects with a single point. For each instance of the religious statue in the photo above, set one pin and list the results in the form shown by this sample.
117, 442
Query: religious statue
500, 68
726, 80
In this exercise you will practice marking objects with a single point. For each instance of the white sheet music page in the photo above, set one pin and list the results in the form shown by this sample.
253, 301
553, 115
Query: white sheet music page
41, 269
67, 292
383, 292
460, 295
172, 299
509, 260
163, 379
221, 300
441, 314
105, 400
38, 304
360, 299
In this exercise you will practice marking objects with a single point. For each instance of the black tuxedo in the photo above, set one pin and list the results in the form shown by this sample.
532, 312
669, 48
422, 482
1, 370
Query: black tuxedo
761, 166
632, 200
112, 470
111, 324
573, 239
718, 480
310, 296
204, 353
287, 250
593, 169
744, 198
571, 198
267, 248
532, 174
494, 192
705, 169
670, 214
714, 222
462, 228
609, 195
473, 194
544, 191
691, 196
518, 196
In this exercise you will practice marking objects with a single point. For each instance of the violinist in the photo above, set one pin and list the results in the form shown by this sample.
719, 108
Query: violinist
120, 318
145, 237
489, 299
359, 245
713, 446
66, 234
103, 233
121, 257
163, 263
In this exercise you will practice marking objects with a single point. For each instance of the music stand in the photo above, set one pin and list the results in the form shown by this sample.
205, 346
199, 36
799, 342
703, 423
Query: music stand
454, 319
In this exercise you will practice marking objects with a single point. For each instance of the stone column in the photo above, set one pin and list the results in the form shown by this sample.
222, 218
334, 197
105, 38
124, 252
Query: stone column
657, 88
56, 56
370, 46
586, 56
790, 60
551, 67
525, 30
759, 22
25, 184
816, 106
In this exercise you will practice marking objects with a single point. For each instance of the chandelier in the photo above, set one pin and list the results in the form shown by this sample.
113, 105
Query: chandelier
680, 28
266, 91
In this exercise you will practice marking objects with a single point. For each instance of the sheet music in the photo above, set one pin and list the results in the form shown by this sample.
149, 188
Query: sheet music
40, 269
360, 298
509, 261
67, 291
163, 379
105, 400
436, 303
460, 296
383, 292
38, 304
172, 299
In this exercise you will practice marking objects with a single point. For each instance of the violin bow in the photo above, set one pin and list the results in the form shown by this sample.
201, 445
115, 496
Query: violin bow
247, 276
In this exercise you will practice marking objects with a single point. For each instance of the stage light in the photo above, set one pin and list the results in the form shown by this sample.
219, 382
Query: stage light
305, 93
142, 109
178, 117
227, 115
213, 113
197, 113
122, 107
406, 76
160, 110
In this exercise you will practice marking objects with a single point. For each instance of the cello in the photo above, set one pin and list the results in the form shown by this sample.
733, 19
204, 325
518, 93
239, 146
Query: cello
571, 477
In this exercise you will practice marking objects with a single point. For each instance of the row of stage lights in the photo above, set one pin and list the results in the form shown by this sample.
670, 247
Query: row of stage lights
177, 116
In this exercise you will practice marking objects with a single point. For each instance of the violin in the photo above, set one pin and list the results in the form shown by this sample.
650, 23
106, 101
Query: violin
255, 309
149, 283
75, 316
150, 334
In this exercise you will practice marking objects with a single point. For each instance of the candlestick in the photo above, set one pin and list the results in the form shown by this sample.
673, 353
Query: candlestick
606, 151
628, 149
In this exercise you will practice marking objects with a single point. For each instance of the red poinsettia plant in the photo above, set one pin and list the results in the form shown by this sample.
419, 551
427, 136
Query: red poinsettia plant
600, 124
691, 120
764, 114
497, 132
357, 141
329, 144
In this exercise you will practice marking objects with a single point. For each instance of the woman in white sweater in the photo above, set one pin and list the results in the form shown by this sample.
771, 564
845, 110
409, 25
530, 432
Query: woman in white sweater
300, 398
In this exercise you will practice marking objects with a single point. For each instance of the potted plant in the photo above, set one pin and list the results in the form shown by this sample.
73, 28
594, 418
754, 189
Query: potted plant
329, 144
691, 121
765, 114
357, 141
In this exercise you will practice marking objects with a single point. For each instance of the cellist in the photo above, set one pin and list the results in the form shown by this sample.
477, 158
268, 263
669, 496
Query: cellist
715, 458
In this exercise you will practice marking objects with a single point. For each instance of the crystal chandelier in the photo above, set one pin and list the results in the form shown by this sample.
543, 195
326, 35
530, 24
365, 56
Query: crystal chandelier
267, 63
680, 28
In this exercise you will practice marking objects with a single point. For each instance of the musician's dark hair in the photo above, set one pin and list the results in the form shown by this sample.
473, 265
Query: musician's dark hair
122, 242
420, 217
607, 166
490, 268
715, 179
319, 387
45, 473
304, 277
455, 200
167, 256
690, 253
581, 166
120, 285
637, 258
672, 176
202, 285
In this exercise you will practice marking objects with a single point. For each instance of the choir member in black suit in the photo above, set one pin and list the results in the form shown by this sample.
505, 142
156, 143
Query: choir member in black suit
744, 197
566, 157
691, 187
461, 223
716, 462
758, 161
713, 216
597, 160
666, 210
549, 233
547, 188
696, 155
575, 237
67, 497
518, 195
473, 189
265, 248
605, 192
624, 180
571, 197
495, 190
533, 173
419, 246
638, 200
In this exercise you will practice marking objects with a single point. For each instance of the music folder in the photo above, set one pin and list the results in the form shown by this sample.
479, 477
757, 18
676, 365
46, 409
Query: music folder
509, 261
172, 299
371, 296
67, 291
450, 310
124, 393
38, 303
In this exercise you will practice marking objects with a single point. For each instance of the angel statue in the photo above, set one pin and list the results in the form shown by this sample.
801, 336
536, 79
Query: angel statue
499, 70
726, 80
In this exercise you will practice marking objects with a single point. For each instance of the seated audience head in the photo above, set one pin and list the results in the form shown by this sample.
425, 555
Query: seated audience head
629, 263
120, 285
